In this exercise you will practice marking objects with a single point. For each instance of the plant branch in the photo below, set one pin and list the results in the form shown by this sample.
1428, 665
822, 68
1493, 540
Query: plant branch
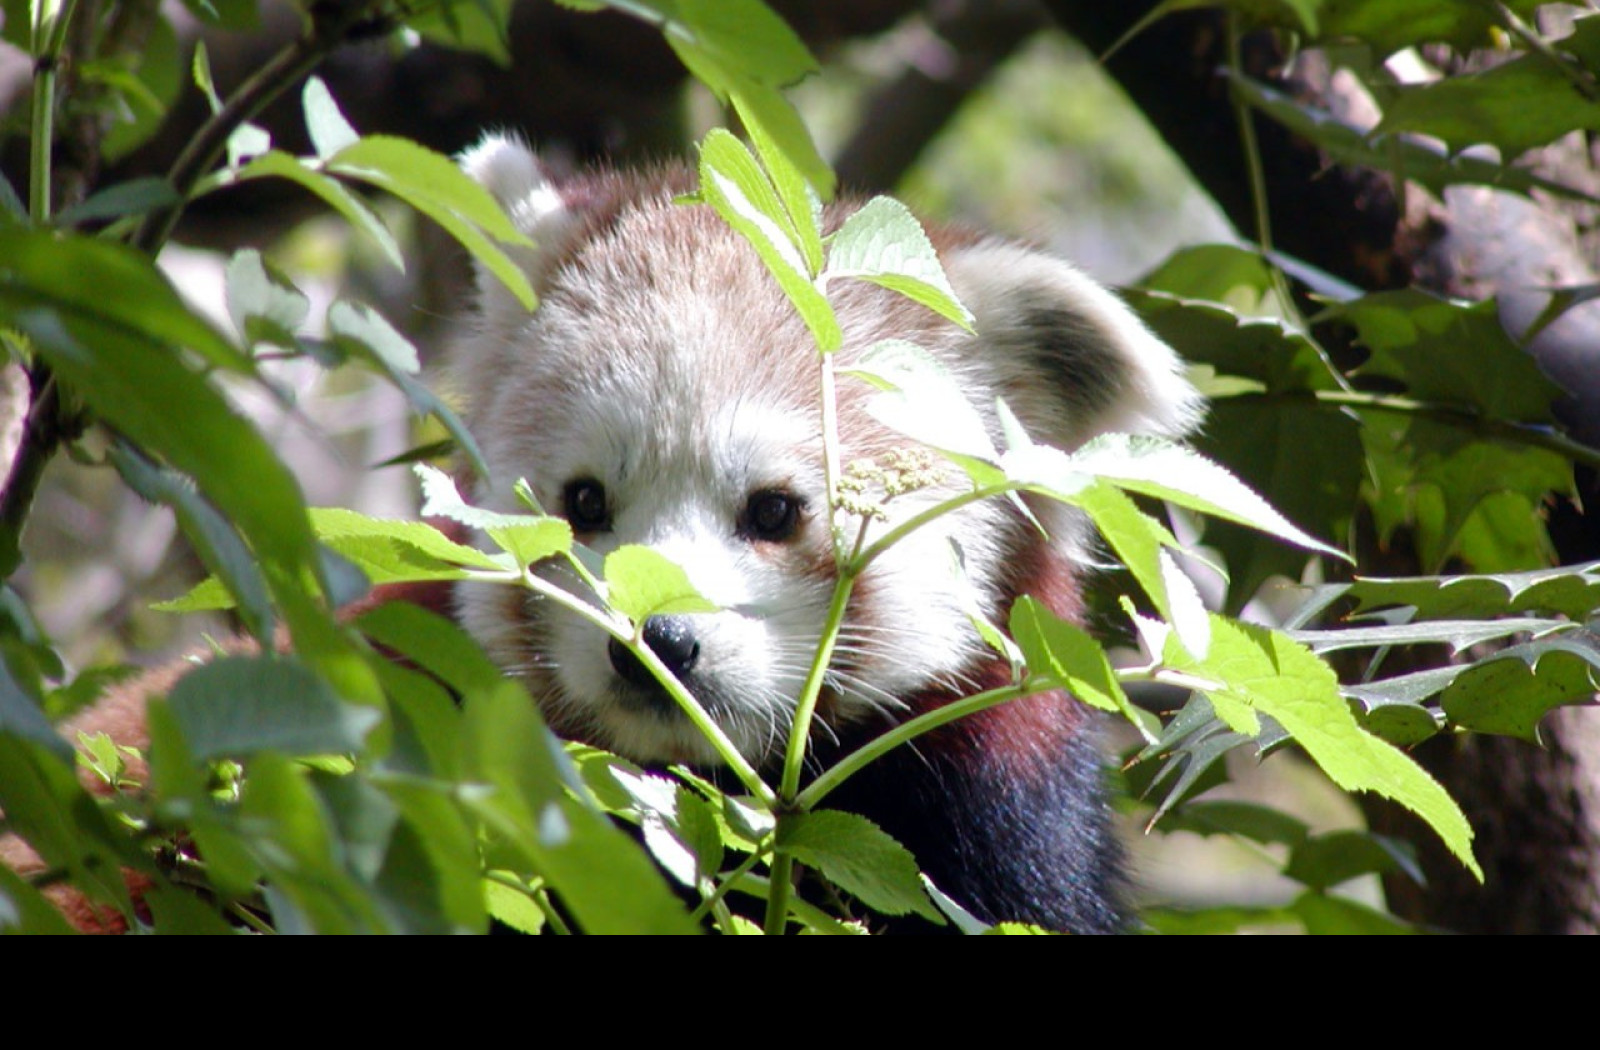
279, 74
1456, 415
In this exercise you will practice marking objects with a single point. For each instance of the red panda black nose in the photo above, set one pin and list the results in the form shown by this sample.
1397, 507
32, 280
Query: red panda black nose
671, 638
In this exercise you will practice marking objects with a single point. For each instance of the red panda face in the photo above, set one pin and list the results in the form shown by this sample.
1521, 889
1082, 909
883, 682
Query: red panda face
665, 393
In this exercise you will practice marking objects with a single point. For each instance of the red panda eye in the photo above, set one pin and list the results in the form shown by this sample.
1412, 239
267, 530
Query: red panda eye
771, 515
584, 503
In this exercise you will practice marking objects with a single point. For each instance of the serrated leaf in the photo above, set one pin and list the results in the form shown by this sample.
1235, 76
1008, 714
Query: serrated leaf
1309, 457
533, 541
1265, 672
1266, 349
441, 499
882, 242
860, 858
1057, 648
513, 907
1389, 25
1153, 467
1458, 634
1572, 590
395, 551
641, 583
244, 705
1512, 691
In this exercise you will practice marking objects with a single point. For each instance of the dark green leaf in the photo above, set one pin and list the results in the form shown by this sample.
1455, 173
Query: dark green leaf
1515, 106
134, 197
1389, 25
1324, 861
1420, 161
220, 549
245, 705
1513, 690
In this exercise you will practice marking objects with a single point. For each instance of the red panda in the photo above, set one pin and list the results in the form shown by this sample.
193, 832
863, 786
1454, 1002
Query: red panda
665, 393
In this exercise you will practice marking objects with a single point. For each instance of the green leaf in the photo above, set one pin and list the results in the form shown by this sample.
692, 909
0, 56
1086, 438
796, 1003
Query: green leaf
328, 129
146, 91
21, 717
921, 398
25, 910
482, 26
1512, 691
1515, 106
1452, 352
239, 706
1281, 358
734, 184
1325, 861
106, 285
367, 336
1389, 25
1264, 672
1153, 467
275, 163
604, 879
857, 856
45, 805
391, 550
1055, 647
221, 550
133, 197
1248, 820
883, 243
264, 305
1572, 590
513, 907
1420, 161
435, 186
641, 583
1309, 457
1325, 915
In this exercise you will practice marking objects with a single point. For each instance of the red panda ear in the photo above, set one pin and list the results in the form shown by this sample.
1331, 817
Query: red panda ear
1075, 361
514, 175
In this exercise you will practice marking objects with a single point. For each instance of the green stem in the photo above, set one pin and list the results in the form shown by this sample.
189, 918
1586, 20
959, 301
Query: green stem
805, 709
713, 900
727, 751
46, 67
778, 892
854, 762
282, 71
